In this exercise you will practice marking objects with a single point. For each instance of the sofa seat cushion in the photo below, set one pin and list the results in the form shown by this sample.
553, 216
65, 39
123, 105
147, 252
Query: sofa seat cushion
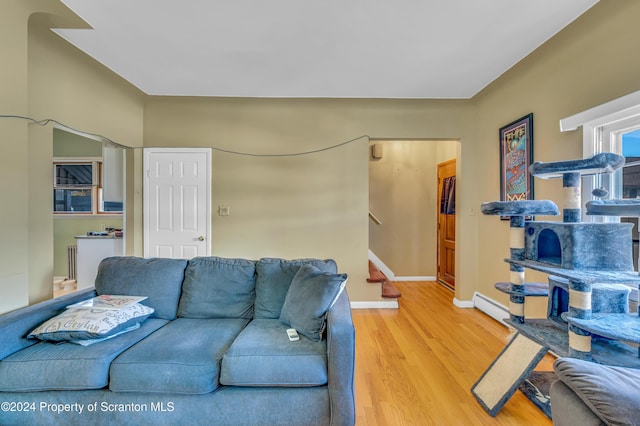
262, 355
610, 392
274, 278
183, 357
218, 288
67, 366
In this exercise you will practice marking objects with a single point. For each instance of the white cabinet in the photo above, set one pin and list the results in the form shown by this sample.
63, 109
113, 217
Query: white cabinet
91, 251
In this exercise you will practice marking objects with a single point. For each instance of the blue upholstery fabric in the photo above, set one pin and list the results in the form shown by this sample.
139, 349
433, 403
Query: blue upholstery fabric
262, 355
16, 325
159, 367
228, 406
158, 279
49, 366
610, 392
567, 409
311, 294
182, 357
341, 352
273, 281
218, 288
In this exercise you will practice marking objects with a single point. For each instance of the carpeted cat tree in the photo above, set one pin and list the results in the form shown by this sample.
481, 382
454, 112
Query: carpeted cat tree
590, 279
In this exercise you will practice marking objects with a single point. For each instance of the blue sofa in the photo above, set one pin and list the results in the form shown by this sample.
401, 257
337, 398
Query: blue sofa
214, 351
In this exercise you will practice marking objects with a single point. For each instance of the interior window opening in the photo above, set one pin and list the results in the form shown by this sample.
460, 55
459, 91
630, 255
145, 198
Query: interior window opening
79, 188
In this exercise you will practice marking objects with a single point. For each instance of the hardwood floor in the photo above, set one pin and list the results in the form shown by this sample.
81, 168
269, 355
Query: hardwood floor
416, 365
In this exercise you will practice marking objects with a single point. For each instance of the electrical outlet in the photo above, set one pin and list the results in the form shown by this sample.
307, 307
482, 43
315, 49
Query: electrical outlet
223, 210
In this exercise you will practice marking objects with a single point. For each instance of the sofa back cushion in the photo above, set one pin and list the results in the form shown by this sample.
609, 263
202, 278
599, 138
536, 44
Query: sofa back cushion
274, 277
218, 288
159, 279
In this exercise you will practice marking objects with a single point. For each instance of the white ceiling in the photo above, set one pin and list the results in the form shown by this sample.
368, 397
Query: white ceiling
321, 48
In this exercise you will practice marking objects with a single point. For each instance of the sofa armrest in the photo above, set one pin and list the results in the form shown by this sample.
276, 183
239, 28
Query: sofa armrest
16, 325
567, 408
611, 393
341, 354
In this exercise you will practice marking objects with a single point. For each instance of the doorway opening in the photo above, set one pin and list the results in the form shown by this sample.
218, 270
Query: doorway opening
403, 206
88, 184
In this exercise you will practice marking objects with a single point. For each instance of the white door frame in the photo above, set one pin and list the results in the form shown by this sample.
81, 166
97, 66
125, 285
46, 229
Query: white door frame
146, 208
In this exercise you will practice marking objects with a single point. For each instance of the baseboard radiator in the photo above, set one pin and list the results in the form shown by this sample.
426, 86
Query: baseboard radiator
490, 307
72, 262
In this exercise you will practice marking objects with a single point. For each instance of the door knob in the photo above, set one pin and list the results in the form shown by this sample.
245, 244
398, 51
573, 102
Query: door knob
200, 238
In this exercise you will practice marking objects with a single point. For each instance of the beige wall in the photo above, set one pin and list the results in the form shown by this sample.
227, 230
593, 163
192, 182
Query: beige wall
64, 84
13, 161
313, 205
403, 195
310, 205
44, 77
280, 206
594, 60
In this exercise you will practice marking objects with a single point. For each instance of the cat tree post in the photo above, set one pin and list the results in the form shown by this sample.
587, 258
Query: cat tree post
517, 288
516, 272
571, 186
579, 307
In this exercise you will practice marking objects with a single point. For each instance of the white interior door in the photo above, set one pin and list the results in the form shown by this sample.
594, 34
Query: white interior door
177, 202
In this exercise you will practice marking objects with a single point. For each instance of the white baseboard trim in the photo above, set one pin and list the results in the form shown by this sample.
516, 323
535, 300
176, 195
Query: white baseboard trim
463, 303
380, 265
382, 304
389, 273
495, 310
427, 278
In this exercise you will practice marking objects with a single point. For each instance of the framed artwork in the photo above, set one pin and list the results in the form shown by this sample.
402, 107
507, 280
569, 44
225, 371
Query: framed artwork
516, 154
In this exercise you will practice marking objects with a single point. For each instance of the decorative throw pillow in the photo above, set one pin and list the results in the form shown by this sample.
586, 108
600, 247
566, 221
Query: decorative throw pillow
310, 296
89, 342
273, 278
80, 324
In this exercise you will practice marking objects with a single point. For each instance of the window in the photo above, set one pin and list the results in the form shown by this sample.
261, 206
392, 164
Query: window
612, 127
73, 188
78, 188
631, 171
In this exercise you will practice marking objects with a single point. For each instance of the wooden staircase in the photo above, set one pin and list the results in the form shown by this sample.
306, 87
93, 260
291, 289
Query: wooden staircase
376, 276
